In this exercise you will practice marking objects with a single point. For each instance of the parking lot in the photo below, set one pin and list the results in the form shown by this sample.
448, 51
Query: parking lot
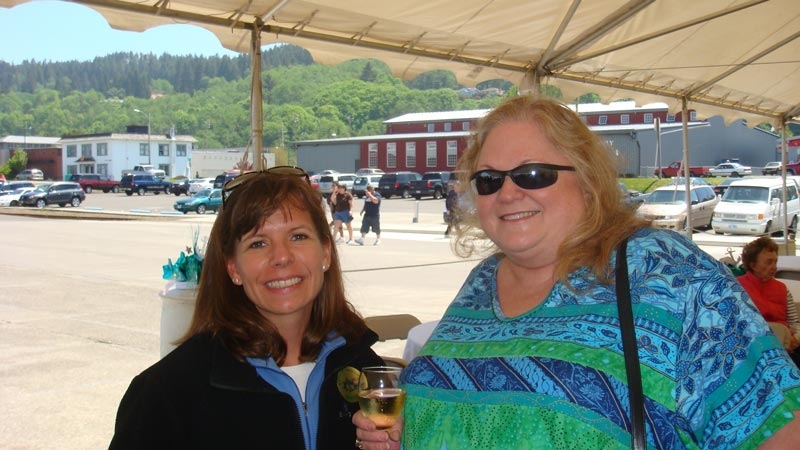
80, 310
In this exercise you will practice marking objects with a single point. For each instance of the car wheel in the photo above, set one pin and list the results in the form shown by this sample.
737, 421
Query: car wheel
128, 193
115, 189
76, 202
404, 194
87, 189
201, 209
141, 191
437, 194
735, 175
14, 203
41, 203
177, 193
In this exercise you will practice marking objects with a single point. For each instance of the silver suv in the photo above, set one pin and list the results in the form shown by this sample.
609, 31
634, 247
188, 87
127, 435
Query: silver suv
61, 193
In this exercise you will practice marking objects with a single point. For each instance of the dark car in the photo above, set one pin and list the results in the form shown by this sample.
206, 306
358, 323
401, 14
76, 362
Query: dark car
223, 178
723, 186
61, 193
141, 183
179, 187
397, 183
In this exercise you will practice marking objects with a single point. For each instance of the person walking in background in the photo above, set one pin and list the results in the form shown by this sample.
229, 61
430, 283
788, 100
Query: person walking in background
451, 205
771, 296
338, 232
371, 215
343, 212
530, 352
272, 356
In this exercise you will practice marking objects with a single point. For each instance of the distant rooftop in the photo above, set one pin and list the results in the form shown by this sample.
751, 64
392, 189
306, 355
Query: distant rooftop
439, 116
31, 140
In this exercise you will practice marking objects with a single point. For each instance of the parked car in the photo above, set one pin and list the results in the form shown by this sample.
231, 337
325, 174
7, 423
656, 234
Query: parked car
666, 206
179, 186
772, 168
61, 193
223, 178
397, 183
31, 174
432, 184
142, 183
755, 206
13, 185
198, 184
360, 184
347, 179
11, 198
92, 181
730, 170
369, 171
314, 180
326, 182
723, 186
208, 199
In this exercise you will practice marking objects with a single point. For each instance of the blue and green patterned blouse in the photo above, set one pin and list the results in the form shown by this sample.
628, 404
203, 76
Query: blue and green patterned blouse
714, 376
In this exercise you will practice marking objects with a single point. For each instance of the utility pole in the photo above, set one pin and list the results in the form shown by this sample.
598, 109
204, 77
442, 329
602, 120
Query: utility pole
149, 152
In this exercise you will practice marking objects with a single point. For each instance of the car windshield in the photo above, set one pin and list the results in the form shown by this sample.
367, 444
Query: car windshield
746, 194
202, 192
43, 187
667, 196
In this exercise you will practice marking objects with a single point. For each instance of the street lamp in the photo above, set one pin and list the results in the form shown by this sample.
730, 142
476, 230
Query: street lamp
148, 134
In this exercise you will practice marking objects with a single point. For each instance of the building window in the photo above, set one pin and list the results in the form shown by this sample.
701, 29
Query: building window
670, 117
648, 117
163, 149
72, 169
144, 149
86, 150
372, 155
165, 168
180, 149
452, 153
430, 154
391, 155
625, 119
411, 154
448, 126
102, 169
102, 149
692, 115
464, 126
72, 151
431, 127
602, 120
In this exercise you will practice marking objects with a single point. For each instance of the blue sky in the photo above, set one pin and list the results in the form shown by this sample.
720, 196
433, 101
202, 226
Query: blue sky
63, 31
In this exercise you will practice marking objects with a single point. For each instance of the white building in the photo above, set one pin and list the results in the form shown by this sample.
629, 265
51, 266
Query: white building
112, 153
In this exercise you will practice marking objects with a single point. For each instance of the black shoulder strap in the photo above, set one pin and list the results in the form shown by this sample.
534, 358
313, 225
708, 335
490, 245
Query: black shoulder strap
638, 439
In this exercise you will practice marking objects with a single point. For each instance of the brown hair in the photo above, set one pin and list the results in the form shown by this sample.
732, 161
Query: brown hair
223, 308
754, 248
607, 219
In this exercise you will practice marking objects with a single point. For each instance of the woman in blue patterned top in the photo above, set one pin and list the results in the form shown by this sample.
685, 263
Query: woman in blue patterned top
529, 353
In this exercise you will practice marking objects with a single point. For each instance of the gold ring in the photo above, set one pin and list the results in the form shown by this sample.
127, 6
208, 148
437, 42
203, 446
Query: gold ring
359, 444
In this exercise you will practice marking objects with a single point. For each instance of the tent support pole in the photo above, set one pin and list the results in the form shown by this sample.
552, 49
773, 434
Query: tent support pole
686, 172
256, 110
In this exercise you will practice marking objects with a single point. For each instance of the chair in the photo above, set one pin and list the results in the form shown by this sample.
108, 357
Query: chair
392, 326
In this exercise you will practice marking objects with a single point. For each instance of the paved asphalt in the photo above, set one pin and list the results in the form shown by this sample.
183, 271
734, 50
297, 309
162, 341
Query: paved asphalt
79, 307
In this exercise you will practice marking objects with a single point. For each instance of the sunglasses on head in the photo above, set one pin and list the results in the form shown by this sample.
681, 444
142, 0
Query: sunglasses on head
526, 176
281, 171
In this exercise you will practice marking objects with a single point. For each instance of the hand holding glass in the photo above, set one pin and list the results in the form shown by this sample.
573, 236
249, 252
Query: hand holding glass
380, 396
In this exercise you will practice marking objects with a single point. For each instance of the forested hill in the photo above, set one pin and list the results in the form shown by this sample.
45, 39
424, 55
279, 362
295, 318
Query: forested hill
128, 74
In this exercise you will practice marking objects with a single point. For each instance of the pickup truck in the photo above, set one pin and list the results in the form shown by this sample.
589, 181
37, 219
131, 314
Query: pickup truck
91, 181
432, 184
145, 168
675, 170
141, 183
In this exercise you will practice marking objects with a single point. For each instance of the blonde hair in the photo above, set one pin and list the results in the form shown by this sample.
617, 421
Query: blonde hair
607, 219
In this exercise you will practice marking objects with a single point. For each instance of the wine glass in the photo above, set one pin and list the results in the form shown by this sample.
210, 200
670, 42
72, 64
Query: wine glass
380, 396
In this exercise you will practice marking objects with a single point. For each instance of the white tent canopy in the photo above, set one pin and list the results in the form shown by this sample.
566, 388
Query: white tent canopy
736, 58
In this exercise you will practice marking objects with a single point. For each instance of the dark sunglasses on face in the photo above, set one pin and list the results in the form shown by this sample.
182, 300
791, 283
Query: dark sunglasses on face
242, 179
526, 176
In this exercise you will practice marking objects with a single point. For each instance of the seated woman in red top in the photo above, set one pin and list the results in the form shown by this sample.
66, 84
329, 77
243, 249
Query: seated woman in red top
771, 297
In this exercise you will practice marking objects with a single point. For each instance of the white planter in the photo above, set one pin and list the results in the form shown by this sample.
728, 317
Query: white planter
177, 308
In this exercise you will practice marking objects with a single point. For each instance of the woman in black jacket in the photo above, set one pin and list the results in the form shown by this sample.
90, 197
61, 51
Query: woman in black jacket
271, 358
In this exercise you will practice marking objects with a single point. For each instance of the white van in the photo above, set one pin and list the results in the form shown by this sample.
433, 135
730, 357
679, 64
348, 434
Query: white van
755, 206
